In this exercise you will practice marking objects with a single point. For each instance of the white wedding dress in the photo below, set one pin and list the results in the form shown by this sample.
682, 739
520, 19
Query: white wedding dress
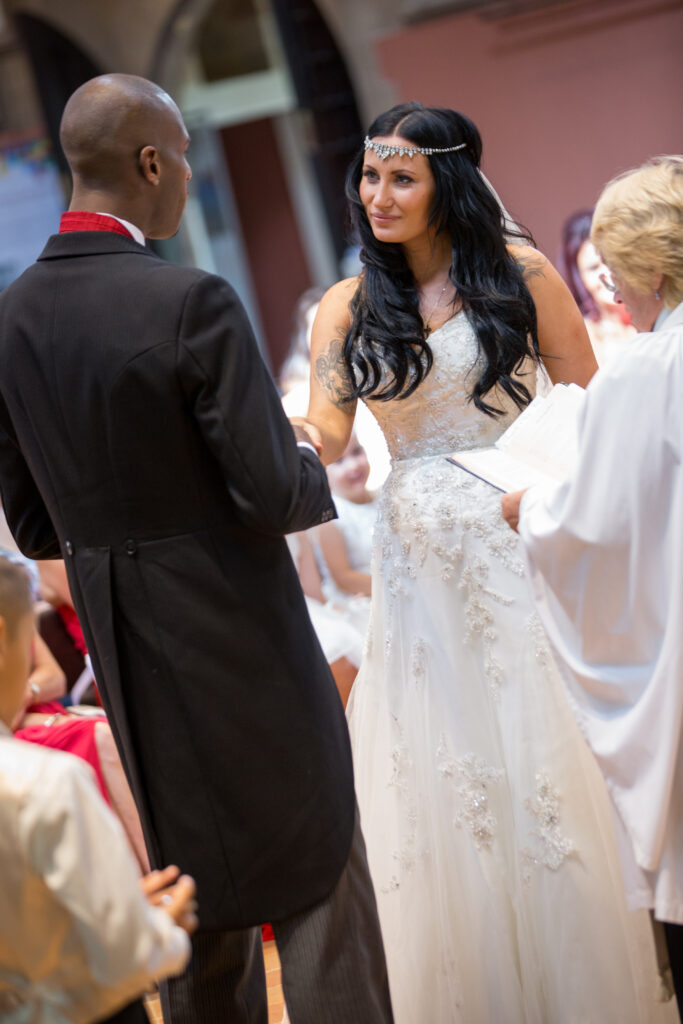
487, 823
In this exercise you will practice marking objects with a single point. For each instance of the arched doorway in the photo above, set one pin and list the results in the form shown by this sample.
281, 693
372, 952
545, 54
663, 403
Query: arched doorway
271, 82
59, 67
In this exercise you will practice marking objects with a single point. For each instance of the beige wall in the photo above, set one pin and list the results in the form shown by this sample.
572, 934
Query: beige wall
137, 37
564, 98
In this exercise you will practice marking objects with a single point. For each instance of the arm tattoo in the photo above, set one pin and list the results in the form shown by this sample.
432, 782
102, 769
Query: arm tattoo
331, 373
533, 267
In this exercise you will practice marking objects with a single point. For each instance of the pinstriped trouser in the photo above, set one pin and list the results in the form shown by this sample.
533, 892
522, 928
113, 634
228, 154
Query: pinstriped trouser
134, 1013
674, 942
332, 958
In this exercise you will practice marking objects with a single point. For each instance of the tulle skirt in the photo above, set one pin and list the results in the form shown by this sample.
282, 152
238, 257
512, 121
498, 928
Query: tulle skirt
487, 823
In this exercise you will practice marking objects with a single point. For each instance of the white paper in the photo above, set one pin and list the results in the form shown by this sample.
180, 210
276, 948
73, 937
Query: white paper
542, 443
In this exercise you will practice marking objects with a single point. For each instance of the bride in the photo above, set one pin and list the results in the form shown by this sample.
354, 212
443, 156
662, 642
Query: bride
487, 825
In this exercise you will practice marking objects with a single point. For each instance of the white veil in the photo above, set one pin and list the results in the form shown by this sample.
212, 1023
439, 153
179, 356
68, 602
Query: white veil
512, 230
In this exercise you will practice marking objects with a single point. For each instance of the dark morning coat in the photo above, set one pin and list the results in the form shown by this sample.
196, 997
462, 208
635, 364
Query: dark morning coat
141, 437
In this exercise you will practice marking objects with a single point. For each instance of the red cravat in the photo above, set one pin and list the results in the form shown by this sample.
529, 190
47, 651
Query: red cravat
81, 220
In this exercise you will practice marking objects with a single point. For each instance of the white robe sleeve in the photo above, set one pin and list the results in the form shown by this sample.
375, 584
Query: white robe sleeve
605, 559
77, 846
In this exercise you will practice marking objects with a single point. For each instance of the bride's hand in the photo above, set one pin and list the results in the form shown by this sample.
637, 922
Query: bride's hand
305, 431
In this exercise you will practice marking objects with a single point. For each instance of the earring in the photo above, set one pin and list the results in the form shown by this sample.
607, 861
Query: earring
657, 296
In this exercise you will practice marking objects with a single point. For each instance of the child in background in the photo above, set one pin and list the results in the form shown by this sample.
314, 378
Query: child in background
80, 936
346, 543
341, 642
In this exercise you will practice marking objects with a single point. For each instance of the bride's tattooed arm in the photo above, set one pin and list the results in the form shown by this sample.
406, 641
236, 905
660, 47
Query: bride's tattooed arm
533, 264
331, 372
332, 405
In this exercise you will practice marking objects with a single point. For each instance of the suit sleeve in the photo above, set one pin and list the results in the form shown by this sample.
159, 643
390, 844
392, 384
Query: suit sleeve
277, 487
24, 508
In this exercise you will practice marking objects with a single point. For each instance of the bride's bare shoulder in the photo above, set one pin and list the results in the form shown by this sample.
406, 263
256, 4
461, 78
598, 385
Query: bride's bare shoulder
335, 305
531, 261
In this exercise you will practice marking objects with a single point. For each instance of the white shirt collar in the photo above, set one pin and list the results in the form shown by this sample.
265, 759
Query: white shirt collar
663, 315
135, 231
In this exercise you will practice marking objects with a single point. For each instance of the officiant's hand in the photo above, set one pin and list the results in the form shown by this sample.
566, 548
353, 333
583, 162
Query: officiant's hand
305, 431
510, 507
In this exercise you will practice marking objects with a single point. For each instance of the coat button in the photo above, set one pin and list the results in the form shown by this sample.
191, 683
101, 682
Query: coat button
131, 547
68, 547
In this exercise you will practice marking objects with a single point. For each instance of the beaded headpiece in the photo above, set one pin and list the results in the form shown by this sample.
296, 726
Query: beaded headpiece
384, 151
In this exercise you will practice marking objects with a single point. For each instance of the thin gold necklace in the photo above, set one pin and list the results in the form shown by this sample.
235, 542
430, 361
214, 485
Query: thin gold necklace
426, 319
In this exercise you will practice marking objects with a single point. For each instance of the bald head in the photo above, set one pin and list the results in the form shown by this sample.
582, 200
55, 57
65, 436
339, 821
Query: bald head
121, 136
106, 123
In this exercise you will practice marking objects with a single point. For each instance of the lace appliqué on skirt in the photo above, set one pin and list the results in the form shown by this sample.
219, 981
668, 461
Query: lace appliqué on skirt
552, 848
473, 777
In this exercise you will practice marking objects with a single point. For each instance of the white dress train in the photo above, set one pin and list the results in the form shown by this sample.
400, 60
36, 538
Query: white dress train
486, 820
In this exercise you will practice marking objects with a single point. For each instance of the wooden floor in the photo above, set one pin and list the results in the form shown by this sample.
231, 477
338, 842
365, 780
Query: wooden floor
276, 1002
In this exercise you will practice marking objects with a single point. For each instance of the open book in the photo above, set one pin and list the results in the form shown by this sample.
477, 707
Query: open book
541, 445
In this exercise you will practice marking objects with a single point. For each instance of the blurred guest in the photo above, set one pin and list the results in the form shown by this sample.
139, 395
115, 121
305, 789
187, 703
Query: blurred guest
607, 322
340, 639
345, 544
296, 368
605, 548
78, 939
54, 588
43, 719
80, 731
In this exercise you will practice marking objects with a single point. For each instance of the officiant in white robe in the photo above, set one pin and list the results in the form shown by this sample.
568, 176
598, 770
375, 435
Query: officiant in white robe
605, 550
605, 553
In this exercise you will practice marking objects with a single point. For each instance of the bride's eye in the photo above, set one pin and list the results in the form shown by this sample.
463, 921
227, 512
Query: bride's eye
369, 174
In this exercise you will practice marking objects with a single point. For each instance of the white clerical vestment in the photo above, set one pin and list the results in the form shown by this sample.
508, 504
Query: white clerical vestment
605, 558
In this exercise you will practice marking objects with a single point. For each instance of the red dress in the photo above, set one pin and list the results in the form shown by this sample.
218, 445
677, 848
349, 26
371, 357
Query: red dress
66, 732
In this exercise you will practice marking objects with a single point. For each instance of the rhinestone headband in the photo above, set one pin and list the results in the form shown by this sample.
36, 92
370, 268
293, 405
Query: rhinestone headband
384, 151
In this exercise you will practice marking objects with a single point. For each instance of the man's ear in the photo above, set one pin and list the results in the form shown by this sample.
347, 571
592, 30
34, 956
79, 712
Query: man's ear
150, 164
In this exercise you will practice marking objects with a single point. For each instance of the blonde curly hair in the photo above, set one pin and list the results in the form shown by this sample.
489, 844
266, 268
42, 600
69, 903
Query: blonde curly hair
638, 226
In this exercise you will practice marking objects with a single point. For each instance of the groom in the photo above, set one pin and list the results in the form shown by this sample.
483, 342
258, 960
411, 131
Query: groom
142, 439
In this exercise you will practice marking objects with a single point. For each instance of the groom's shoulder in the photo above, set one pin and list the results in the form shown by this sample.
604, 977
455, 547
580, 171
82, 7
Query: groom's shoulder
180, 282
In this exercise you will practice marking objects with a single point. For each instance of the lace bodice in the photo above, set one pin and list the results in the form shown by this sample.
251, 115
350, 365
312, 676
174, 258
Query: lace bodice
438, 417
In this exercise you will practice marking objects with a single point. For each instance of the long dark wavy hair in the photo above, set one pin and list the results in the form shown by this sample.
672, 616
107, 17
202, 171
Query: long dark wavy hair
386, 350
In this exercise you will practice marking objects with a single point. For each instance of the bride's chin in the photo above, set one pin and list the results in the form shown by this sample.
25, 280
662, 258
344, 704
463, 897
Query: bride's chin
386, 234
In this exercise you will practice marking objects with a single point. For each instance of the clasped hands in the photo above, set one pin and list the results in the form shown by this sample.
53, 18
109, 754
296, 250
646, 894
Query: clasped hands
308, 432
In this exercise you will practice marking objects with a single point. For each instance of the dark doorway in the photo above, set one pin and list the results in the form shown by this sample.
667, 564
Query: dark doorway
324, 89
59, 67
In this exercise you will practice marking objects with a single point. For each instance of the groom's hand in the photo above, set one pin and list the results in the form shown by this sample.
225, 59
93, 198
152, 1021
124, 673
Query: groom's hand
307, 432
